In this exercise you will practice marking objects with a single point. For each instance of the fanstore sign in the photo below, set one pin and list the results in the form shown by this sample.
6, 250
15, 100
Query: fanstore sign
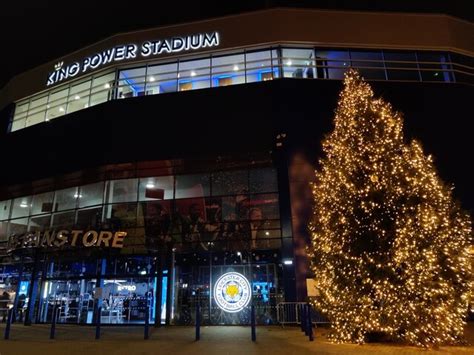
66, 238
132, 51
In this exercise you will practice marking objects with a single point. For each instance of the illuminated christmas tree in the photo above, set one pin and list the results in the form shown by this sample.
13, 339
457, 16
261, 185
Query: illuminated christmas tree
389, 245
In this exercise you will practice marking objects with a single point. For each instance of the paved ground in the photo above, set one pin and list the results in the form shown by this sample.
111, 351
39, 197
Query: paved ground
180, 340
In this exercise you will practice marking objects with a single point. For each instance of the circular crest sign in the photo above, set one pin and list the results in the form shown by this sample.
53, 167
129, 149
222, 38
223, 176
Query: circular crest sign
232, 292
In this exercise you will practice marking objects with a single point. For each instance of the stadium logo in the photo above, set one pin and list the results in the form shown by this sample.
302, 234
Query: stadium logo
232, 292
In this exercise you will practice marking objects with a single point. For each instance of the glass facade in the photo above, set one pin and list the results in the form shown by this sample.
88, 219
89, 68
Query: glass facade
217, 210
124, 288
240, 68
184, 232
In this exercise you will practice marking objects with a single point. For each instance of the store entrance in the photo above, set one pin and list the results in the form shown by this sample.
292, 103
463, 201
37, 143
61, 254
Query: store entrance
197, 274
122, 300
73, 298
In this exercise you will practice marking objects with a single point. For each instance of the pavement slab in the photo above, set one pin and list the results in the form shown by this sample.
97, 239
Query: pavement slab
176, 340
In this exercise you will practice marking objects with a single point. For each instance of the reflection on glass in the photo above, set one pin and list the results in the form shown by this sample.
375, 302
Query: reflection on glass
126, 300
228, 70
19, 119
156, 188
21, 206
57, 103
298, 63
66, 199
434, 66
39, 223
63, 220
3, 231
332, 64
192, 185
261, 66
369, 63
79, 96
102, 88
89, 218
122, 190
230, 182
5, 209
162, 78
194, 74
131, 82
92, 194
268, 205
17, 226
42, 203
263, 180
36, 112
73, 298
401, 65
120, 216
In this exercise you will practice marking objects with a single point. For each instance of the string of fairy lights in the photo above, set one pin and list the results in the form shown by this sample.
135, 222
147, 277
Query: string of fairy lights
389, 244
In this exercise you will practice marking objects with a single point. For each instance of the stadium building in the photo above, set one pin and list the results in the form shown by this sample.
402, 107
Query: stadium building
161, 169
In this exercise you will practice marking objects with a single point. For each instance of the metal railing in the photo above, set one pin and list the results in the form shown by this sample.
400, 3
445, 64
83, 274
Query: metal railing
69, 98
290, 313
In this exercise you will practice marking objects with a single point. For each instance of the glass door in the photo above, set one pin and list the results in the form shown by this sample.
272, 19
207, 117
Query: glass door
73, 298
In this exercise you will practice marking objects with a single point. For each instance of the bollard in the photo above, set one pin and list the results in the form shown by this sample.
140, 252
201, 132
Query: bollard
9, 323
53, 322
147, 323
301, 315
97, 324
252, 323
310, 324
198, 323
306, 323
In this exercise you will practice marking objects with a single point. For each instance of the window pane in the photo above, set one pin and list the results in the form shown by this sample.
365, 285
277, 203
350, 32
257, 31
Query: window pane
66, 199
3, 231
234, 208
64, 220
91, 194
21, 110
194, 74
369, 63
18, 124
79, 96
228, 70
192, 185
89, 218
156, 188
39, 223
132, 82
5, 209
401, 66
122, 215
102, 88
156, 218
230, 182
263, 180
17, 226
42, 203
259, 66
37, 110
122, 190
267, 204
331, 64
57, 104
434, 66
298, 63
21, 207
162, 78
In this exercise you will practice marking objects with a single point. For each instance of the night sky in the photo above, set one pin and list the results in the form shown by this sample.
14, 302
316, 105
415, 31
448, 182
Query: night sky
35, 32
